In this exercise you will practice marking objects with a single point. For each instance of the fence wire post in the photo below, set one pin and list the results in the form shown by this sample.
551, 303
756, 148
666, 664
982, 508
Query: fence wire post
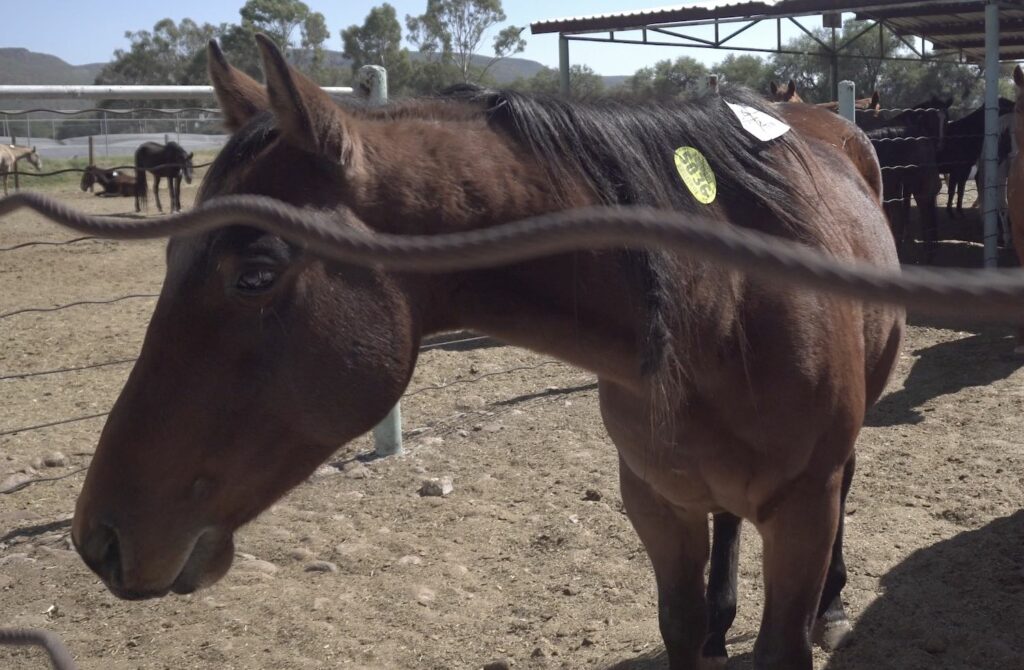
847, 95
372, 84
991, 146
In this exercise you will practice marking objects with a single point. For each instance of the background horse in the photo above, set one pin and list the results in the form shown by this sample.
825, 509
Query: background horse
1007, 151
1015, 184
114, 182
10, 154
163, 160
963, 142
907, 146
790, 94
720, 394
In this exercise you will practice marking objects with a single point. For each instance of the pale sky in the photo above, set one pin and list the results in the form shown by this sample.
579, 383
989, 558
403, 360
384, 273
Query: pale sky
82, 33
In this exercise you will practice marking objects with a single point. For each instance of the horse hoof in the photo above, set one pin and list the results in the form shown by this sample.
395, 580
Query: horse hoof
712, 662
832, 635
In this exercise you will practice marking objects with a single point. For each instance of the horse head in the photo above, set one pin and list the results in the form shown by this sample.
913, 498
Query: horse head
260, 359
788, 94
35, 159
88, 177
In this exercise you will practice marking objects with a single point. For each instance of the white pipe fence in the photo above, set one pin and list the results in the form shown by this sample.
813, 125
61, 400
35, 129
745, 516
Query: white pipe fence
61, 92
371, 83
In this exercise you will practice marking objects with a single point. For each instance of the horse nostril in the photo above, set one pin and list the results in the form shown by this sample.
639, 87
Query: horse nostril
102, 552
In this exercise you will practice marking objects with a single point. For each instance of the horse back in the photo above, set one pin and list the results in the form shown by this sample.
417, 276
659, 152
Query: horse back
835, 131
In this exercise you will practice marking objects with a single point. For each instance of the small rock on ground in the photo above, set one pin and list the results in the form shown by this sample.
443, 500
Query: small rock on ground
321, 566
436, 487
14, 481
55, 460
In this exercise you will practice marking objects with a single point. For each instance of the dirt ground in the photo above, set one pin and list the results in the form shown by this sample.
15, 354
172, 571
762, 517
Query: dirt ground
530, 558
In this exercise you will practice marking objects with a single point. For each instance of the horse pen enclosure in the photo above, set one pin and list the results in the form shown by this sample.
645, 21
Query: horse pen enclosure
529, 557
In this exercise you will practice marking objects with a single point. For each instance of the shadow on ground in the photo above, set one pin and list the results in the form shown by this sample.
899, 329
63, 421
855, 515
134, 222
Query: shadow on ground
944, 368
956, 605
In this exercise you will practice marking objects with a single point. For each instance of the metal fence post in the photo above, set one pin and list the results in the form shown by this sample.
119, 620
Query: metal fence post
847, 95
372, 83
990, 207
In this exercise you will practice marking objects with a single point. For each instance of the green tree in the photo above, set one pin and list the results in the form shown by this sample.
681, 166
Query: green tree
668, 79
165, 56
746, 70
379, 42
314, 33
454, 31
583, 82
277, 18
858, 61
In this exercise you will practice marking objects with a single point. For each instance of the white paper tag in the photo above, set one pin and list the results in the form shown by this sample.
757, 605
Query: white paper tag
757, 123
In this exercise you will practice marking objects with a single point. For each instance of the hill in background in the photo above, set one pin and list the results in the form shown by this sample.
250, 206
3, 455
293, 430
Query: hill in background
21, 66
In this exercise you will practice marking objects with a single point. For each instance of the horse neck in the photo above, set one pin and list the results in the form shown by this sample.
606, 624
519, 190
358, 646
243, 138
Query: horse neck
20, 152
581, 307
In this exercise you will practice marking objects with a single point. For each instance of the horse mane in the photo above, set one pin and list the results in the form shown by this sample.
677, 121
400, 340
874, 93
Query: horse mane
625, 155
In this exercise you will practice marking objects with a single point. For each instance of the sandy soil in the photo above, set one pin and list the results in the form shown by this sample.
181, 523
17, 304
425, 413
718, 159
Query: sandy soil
519, 562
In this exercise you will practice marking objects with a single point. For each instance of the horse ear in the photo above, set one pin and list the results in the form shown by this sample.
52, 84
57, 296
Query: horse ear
1018, 76
190, 154
791, 89
774, 88
240, 96
306, 116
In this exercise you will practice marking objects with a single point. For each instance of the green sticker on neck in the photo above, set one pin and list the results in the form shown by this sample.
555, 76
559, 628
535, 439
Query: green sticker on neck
696, 174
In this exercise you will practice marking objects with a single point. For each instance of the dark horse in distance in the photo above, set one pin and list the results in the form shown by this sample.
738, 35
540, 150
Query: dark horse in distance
163, 160
720, 394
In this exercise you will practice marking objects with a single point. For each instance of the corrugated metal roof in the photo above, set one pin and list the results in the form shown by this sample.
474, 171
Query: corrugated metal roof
950, 24
959, 28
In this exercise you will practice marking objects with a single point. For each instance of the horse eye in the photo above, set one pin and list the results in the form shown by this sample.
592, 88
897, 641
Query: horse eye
256, 280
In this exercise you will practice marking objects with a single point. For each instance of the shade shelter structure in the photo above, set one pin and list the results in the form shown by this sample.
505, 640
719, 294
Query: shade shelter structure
982, 32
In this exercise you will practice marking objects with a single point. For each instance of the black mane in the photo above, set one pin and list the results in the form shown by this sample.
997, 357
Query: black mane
626, 152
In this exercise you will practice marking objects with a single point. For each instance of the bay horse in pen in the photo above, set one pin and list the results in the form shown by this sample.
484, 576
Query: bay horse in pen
720, 394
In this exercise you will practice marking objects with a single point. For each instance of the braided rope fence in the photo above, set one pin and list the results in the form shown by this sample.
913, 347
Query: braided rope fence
983, 294
994, 294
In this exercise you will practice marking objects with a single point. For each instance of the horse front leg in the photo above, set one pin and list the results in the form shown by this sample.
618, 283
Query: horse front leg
722, 583
798, 537
677, 544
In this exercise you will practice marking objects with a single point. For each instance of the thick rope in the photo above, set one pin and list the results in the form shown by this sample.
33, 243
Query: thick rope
977, 294
59, 654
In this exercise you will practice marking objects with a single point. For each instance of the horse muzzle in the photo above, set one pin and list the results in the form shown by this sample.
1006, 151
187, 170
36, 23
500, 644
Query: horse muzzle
139, 568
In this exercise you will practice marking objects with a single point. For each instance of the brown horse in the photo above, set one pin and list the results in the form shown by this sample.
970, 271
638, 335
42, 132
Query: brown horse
10, 154
789, 94
114, 182
1015, 185
720, 394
